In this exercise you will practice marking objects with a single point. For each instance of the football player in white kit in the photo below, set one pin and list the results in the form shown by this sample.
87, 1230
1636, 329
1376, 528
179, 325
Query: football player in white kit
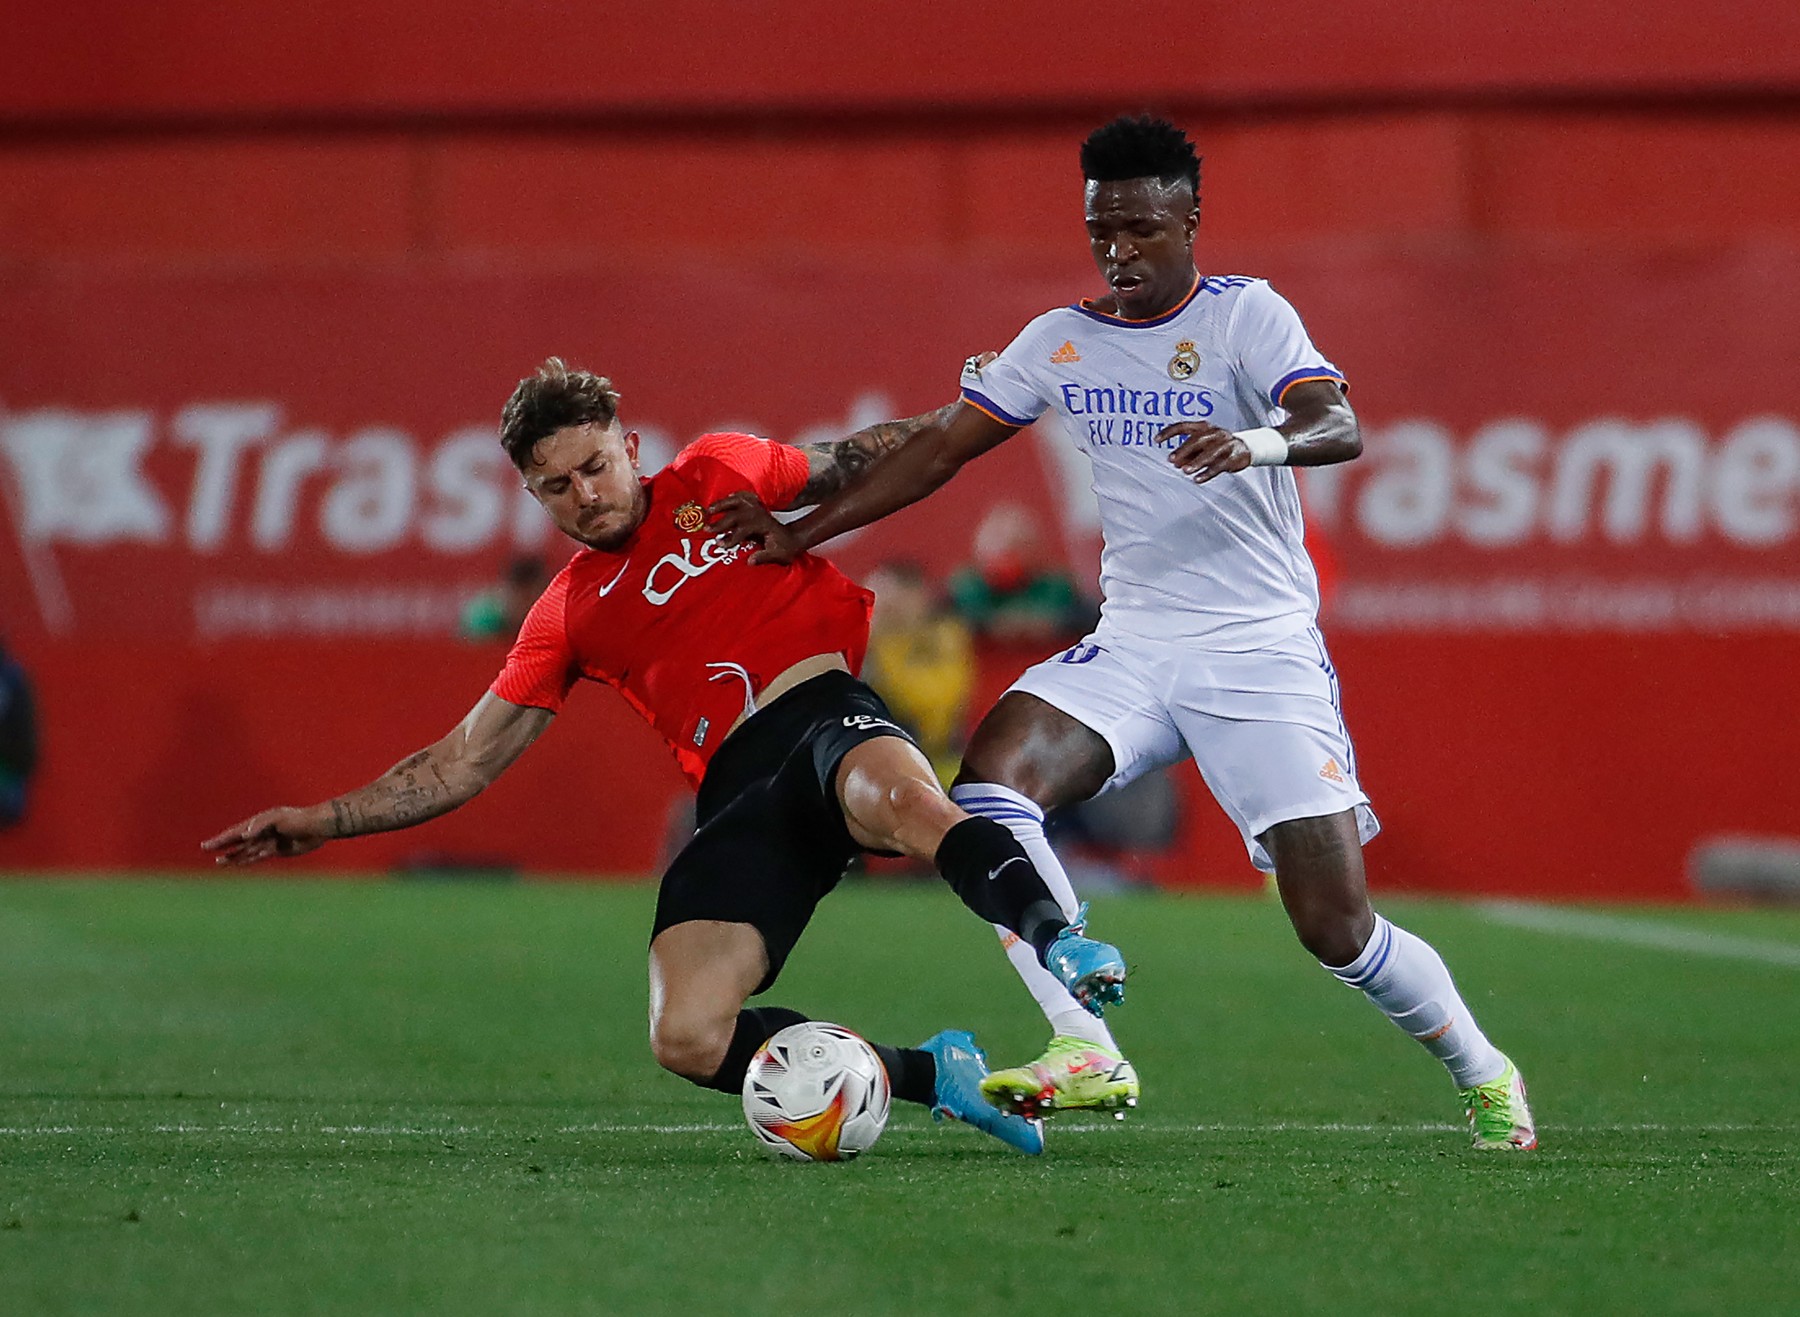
1193, 396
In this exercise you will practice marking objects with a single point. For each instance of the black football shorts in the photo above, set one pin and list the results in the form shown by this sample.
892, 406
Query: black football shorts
769, 839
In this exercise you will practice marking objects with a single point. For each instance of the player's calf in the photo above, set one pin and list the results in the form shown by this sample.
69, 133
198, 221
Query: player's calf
996, 879
985, 866
888, 801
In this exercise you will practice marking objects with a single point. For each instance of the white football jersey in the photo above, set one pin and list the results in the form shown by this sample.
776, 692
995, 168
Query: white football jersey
1222, 563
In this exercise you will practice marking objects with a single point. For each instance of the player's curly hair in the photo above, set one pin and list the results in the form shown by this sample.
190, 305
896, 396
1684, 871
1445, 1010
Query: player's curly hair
1140, 146
553, 399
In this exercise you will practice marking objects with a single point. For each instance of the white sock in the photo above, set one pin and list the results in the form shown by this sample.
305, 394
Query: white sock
1025, 821
1408, 983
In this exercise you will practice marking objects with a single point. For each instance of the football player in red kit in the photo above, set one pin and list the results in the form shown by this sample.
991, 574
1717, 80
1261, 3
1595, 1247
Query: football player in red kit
747, 674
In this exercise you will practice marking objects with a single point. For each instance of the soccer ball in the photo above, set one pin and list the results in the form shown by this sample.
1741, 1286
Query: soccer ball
816, 1092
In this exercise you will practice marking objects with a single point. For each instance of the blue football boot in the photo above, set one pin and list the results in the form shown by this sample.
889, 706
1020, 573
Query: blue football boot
1093, 972
961, 1066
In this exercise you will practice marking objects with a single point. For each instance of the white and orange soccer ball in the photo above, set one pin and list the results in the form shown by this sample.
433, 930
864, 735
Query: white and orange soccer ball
817, 1092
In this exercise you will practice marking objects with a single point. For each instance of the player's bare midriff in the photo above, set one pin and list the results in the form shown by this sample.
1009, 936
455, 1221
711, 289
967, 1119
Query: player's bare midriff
788, 678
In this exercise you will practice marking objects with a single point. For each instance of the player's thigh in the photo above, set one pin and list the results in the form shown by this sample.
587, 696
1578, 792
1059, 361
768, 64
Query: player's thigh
1270, 741
891, 799
1074, 725
1036, 749
765, 861
704, 969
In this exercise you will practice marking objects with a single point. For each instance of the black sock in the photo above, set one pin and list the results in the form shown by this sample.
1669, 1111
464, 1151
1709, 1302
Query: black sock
912, 1074
754, 1028
985, 865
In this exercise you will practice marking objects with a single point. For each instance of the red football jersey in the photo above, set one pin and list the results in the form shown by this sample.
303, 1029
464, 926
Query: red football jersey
687, 631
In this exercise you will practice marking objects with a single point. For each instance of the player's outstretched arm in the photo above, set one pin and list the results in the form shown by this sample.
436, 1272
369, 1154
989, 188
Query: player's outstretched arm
422, 786
933, 451
835, 465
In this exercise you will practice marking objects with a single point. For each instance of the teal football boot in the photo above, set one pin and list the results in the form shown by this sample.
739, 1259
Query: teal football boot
1093, 972
961, 1066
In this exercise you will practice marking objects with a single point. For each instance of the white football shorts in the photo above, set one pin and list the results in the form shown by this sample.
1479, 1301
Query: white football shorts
1264, 728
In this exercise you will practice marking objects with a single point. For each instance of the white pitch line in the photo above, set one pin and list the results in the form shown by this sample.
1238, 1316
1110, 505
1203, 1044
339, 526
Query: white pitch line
1632, 931
720, 1127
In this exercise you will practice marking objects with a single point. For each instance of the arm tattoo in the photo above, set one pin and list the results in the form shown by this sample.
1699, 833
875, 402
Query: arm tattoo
396, 799
837, 465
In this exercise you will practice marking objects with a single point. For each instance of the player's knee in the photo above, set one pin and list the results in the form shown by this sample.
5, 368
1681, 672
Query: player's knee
1050, 759
689, 1046
913, 798
1333, 933
987, 759
1010, 762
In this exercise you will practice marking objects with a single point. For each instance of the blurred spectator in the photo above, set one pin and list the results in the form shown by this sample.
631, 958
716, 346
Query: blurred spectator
1013, 593
18, 739
921, 661
1105, 842
496, 614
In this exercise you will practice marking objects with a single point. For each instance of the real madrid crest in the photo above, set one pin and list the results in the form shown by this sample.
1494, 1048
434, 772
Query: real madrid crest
690, 517
1185, 361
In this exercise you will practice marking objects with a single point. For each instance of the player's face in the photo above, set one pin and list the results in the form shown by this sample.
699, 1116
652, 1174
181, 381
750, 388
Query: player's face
1142, 235
586, 478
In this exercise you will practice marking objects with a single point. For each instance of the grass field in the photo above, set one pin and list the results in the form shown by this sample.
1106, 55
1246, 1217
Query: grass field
300, 1097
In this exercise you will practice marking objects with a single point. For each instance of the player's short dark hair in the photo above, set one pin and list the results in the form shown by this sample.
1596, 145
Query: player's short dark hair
553, 399
1140, 146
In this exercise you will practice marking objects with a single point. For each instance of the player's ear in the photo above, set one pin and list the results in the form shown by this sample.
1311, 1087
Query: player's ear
631, 446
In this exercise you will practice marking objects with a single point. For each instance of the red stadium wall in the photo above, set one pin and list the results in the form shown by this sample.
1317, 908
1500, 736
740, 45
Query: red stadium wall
264, 279
1574, 766
214, 57
1568, 612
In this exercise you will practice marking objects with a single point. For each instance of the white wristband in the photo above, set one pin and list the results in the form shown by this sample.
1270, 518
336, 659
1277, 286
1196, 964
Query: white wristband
1268, 446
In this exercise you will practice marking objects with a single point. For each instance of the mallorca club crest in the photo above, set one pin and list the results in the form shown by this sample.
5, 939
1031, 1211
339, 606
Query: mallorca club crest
1185, 361
690, 517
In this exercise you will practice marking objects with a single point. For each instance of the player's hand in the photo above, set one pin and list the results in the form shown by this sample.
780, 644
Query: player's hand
741, 518
1206, 450
279, 832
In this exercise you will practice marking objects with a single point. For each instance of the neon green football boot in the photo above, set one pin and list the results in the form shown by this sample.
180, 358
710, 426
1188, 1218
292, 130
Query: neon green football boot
1072, 1074
1498, 1116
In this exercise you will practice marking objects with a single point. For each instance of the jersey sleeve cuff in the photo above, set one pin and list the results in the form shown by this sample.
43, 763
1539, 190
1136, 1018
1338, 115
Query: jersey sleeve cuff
982, 403
548, 701
1301, 376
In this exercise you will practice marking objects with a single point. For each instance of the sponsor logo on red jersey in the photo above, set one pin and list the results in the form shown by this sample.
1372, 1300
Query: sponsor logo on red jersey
674, 570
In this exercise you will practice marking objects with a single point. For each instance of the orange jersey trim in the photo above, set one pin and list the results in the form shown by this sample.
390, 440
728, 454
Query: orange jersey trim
1008, 422
1322, 375
1087, 305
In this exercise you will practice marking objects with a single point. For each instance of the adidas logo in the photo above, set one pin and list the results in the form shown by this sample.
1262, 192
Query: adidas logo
1064, 355
1331, 772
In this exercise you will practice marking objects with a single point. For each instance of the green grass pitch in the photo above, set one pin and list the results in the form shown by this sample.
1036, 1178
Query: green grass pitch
282, 1096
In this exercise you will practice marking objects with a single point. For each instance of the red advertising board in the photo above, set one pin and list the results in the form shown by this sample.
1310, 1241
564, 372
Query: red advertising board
243, 509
